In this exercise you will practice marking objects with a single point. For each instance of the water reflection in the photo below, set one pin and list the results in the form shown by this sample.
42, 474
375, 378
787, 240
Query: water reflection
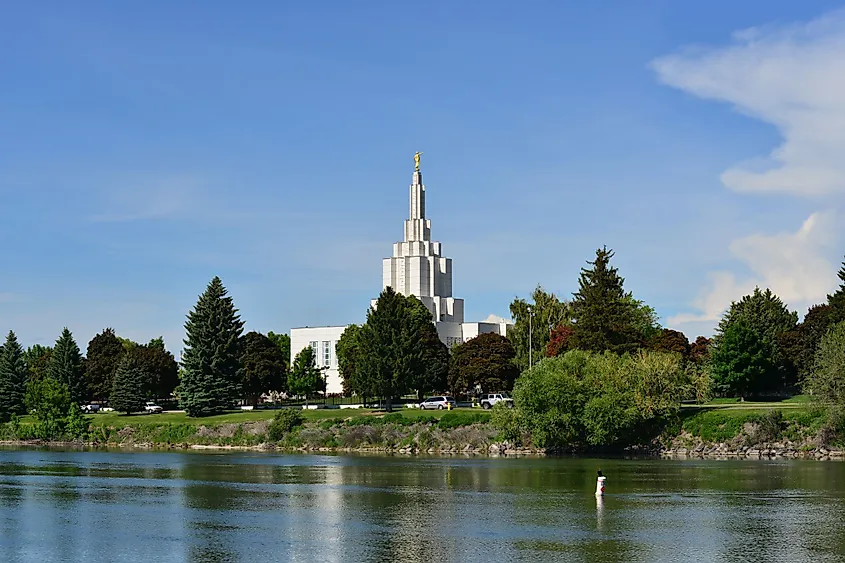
112, 506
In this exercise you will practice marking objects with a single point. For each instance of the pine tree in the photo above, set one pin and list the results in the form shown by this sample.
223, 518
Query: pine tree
105, 351
211, 359
603, 312
66, 366
13, 378
127, 393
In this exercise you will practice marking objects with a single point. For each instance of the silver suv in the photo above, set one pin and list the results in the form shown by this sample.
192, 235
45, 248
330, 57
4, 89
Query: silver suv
487, 401
437, 403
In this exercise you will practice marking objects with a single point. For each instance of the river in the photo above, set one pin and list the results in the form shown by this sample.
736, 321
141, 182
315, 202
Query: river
210, 507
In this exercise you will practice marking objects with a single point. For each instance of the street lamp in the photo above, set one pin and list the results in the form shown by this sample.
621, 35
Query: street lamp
530, 331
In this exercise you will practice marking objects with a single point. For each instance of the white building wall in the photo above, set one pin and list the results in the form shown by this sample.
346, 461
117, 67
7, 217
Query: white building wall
326, 338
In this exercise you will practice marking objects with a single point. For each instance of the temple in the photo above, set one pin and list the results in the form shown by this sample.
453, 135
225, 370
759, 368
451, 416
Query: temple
417, 267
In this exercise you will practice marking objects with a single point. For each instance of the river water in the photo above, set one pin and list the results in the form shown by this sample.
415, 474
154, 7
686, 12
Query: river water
207, 507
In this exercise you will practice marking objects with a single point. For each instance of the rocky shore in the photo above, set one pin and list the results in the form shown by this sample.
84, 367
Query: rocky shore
775, 451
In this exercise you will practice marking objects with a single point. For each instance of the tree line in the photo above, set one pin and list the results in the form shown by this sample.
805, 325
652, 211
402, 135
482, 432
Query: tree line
220, 366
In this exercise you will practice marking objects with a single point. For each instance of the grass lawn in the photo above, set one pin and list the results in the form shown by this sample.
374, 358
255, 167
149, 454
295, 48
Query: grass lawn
115, 419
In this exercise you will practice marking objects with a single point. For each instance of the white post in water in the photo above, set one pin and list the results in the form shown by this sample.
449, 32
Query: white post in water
600, 485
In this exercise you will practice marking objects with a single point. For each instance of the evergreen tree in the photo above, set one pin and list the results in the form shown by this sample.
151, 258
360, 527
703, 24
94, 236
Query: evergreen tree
346, 350
741, 360
13, 378
603, 312
211, 358
127, 394
105, 351
767, 315
305, 378
66, 367
390, 347
264, 367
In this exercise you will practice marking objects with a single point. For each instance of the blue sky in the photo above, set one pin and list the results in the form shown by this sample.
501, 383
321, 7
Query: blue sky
145, 149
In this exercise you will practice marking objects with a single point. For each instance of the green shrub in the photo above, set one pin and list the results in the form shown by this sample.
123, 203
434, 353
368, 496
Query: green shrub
770, 426
393, 418
283, 423
456, 419
76, 425
506, 420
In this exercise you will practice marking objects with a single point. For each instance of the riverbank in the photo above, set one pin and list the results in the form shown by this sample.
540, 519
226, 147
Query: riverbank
747, 433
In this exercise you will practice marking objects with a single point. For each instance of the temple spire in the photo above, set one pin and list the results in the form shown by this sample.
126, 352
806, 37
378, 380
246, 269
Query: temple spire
417, 227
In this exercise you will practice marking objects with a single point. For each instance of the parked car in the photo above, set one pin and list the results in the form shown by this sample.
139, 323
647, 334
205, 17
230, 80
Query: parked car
90, 408
438, 403
491, 399
152, 408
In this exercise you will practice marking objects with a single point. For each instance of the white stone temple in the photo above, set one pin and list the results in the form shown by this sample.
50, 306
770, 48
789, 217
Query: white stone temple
416, 268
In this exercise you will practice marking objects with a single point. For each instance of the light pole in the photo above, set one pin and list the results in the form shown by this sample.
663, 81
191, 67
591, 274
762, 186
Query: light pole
530, 331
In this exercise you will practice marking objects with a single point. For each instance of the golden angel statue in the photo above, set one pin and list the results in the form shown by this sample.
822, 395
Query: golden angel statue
417, 161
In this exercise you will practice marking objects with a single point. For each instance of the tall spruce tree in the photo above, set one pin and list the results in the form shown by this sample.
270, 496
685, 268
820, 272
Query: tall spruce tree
13, 378
105, 351
604, 315
66, 367
211, 359
127, 393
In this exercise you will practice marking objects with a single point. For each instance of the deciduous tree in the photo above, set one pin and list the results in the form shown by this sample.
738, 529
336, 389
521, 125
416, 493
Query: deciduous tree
282, 341
37, 358
13, 378
67, 368
346, 350
534, 321
487, 361
433, 373
264, 367
668, 340
160, 369
741, 360
826, 381
105, 351
700, 350
560, 341
305, 378
211, 358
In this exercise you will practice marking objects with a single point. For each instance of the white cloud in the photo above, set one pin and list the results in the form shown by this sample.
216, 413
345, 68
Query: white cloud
790, 76
793, 265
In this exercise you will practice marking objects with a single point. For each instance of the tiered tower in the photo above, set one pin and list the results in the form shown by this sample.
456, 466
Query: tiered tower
417, 267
